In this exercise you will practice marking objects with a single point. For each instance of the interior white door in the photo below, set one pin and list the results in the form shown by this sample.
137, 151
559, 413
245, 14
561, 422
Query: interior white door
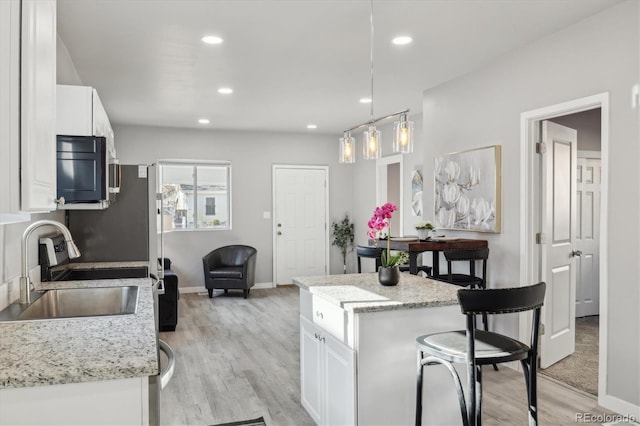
300, 213
588, 237
558, 242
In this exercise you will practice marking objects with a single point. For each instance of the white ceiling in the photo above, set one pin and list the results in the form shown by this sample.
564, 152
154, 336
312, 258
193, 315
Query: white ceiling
290, 62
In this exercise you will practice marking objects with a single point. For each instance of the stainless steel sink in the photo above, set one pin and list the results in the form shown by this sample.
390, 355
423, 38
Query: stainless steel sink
83, 302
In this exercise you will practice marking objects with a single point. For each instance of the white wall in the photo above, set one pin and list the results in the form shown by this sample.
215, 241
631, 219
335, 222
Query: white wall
599, 54
252, 155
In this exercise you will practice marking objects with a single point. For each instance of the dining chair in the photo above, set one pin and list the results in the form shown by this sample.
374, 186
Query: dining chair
376, 253
476, 348
470, 280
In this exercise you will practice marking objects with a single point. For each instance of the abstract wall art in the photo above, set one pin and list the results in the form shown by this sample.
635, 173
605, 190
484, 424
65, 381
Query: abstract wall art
467, 190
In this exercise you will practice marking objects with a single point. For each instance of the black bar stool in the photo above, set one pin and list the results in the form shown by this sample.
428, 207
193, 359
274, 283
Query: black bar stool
476, 348
370, 252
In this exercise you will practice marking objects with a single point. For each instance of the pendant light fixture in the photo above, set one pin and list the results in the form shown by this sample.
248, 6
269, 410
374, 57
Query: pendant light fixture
371, 149
347, 149
403, 135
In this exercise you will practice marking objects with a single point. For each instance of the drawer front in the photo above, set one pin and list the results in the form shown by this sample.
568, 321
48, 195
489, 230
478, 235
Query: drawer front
329, 317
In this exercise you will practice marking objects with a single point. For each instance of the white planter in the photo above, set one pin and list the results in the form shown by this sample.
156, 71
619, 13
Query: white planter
423, 234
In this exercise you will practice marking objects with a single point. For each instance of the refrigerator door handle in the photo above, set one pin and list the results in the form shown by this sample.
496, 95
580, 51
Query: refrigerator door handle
166, 375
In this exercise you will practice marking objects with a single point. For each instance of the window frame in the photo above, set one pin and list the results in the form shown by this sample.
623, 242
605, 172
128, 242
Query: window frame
195, 164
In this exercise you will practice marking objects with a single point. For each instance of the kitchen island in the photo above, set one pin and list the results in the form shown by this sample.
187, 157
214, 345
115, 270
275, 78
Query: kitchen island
68, 370
358, 351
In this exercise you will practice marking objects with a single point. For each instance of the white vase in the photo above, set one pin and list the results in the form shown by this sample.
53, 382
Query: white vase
423, 234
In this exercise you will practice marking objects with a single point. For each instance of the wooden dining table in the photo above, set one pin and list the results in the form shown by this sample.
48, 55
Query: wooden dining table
435, 246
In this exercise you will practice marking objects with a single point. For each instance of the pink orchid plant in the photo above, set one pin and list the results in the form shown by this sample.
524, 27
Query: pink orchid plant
379, 221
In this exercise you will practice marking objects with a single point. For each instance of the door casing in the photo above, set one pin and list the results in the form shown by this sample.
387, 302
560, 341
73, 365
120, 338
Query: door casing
382, 189
530, 215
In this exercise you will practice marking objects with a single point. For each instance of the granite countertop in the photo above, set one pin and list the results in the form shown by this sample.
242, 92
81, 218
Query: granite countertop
102, 265
74, 350
360, 293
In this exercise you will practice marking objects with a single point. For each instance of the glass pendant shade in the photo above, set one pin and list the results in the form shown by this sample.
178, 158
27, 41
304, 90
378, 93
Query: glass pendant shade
347, 149
371, 146
403, 136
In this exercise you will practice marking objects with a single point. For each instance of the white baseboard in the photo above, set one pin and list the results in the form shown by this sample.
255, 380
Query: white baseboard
620, 406
202, 289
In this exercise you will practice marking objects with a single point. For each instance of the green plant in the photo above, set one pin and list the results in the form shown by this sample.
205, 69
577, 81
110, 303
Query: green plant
425, 225
343, 236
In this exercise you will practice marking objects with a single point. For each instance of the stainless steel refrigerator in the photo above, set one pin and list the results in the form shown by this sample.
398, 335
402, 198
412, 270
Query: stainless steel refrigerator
126, 230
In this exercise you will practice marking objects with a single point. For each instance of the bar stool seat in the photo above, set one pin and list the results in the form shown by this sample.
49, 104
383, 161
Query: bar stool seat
490, 347
476, 348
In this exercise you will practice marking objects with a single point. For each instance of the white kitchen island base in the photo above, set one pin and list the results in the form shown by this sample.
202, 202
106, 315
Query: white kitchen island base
358, 351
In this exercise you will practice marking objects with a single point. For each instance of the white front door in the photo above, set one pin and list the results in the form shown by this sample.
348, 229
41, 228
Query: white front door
588, 237
300, 218
559, 241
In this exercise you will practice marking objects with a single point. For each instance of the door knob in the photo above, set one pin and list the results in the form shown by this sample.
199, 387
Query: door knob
576, 253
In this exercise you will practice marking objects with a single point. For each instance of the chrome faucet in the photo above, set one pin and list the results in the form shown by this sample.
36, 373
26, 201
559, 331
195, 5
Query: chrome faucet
25, 281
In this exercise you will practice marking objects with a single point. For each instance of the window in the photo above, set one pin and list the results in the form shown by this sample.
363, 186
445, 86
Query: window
210, 206
196, 195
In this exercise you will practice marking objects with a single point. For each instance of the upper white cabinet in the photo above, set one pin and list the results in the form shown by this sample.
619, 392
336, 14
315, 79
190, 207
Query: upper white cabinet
9, 107
80, 113
38, 105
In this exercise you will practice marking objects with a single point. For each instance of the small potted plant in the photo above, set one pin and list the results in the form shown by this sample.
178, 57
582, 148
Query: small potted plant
389, 272
343, 237
424, 229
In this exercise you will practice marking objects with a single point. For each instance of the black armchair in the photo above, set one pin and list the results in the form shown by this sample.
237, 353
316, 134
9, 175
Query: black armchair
230, 267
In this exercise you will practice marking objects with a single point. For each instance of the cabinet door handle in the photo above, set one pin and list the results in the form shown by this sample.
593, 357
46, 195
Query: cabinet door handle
319, 315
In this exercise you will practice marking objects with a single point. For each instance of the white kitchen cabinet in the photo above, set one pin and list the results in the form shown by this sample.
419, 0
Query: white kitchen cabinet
107, 402
81, 113
9, 108
359, 367
37, 105
328, 376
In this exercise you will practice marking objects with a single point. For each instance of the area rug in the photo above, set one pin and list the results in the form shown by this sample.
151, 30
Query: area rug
254, 422
580, 369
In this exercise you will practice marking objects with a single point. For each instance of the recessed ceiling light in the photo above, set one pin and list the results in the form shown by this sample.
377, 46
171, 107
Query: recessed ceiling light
211, 40
400, 40
225, 90
204, 121
312, 126
365, 100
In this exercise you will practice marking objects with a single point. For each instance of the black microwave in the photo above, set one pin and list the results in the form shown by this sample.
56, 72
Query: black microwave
84, 173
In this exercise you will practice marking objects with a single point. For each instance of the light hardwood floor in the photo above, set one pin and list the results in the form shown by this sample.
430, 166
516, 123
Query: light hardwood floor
238, 359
